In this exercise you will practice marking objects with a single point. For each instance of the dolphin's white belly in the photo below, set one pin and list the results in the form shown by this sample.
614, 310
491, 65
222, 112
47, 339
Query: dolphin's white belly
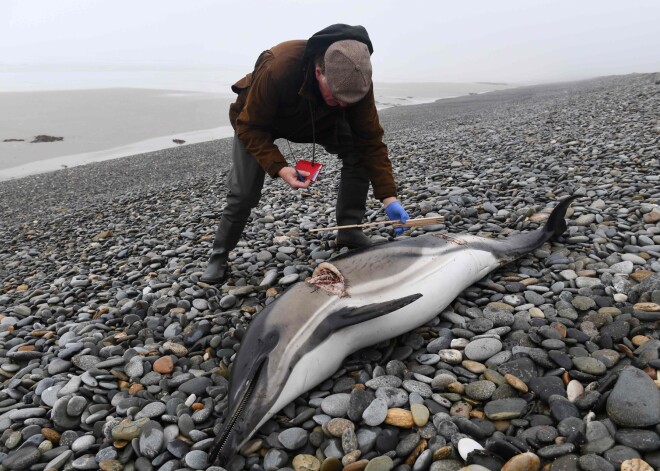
439, 285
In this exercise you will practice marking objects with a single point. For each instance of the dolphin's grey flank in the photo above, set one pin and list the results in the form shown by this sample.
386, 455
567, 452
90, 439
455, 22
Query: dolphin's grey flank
362, 298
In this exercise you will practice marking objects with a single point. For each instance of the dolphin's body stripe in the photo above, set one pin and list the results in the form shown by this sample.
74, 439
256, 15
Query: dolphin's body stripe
303, 337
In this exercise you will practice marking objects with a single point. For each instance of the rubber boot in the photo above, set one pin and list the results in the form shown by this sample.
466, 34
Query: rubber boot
226, 239
352, 205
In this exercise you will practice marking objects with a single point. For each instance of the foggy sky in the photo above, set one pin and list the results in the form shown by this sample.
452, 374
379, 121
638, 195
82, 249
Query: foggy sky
415, 41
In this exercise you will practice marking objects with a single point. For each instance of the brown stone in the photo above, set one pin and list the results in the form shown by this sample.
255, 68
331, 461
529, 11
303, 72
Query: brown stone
351, 457
647, 307
399, 418
51, 435
473, 366
456, 387
516, 382
523, 462
421, 446
249, 309
176, 348
641, 275
102, 235
500, 305
635, 464
337, 426
652, 217
197, 406
561, 328
513, 278
442, 453
119, 375
639, 340
538, 217
164, 365
135, 388
26, 348
652, 372
127, 429
111, 465
22, 288
222, 370
306, 463
357, 466
502, 425
529, 281
41, 333
272, 292
252, 447
625, 350
536, 313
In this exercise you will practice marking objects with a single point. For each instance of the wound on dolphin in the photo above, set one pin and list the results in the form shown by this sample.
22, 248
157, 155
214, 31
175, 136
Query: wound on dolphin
327, 277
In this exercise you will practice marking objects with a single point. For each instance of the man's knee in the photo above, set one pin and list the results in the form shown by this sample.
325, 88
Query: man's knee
351, 158
239, 207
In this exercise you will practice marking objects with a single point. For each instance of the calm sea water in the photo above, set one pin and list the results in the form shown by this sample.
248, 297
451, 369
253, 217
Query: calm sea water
212, 80
110, 112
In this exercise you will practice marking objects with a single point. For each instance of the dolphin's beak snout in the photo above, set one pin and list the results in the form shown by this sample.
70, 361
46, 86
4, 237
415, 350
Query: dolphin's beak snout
240, 424
227, 442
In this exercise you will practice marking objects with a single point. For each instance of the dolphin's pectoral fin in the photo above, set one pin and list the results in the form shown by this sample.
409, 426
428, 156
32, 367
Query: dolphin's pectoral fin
355, 315
250, 359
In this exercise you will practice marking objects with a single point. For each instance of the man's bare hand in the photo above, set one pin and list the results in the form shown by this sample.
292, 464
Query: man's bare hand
290, 176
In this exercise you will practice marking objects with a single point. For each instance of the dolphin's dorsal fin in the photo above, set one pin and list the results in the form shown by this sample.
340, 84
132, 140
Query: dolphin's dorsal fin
347, 316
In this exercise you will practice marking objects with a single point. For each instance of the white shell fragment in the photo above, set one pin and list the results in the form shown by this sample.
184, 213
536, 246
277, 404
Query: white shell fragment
467, 446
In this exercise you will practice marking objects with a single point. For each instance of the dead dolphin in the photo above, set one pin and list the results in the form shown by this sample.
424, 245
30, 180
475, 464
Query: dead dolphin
360, 299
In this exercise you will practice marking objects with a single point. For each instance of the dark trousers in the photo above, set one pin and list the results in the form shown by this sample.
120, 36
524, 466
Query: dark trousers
245, 182
246, 179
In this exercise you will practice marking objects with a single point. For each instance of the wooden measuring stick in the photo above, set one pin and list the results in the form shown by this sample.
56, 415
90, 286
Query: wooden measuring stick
410, 223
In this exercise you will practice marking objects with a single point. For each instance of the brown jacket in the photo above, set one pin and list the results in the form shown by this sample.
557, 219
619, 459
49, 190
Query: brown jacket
280, 98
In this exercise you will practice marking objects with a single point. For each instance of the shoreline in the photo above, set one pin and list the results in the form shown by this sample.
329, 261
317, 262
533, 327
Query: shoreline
84, 132
128, 150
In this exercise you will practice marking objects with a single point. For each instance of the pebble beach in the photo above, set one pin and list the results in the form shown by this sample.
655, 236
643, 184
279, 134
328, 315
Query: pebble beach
115, 356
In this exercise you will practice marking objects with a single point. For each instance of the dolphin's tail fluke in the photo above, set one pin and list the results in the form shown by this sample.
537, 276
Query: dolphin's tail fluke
520, 244
556, 224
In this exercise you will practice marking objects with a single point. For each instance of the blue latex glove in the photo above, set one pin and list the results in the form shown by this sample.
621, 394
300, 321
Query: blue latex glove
395, 212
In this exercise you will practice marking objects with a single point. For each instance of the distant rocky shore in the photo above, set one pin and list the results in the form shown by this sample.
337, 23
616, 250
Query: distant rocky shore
37, 139
115, 356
